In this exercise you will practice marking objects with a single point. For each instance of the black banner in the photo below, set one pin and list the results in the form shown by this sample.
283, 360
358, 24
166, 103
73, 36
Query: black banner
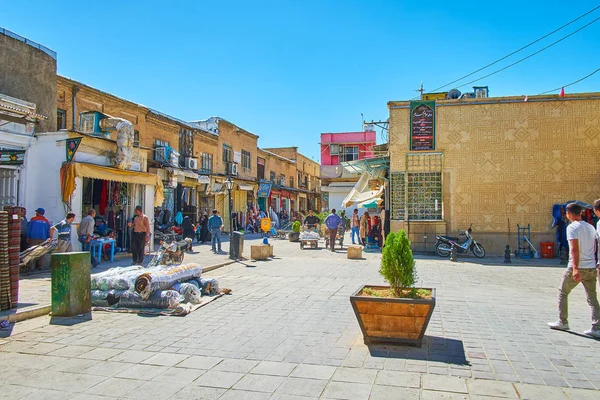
422, 125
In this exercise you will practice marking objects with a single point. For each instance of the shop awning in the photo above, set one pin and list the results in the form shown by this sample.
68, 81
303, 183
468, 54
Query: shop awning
241, 186
373, 203
375, 165
361, 192
70, 171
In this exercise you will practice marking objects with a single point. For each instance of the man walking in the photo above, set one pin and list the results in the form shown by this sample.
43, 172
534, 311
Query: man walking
38, 231
85, 233
332, 222
141, 235
354, 224
581, 268
215, 224
64, 234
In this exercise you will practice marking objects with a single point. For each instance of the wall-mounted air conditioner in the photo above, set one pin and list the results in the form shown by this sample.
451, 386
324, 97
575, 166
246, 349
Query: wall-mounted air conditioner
334, 149
232, 169
191, 163
160, 154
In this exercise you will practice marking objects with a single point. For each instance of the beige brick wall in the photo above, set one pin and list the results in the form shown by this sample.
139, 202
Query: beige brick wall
507, 163
239, 140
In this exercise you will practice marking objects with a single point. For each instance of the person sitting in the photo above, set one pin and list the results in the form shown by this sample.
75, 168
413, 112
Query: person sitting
311, 221
106, 247
374, 238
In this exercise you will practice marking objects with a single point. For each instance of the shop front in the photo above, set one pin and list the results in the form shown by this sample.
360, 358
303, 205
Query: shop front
263, 194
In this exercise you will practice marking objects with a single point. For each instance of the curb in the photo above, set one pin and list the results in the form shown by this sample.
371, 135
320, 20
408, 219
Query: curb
45, 309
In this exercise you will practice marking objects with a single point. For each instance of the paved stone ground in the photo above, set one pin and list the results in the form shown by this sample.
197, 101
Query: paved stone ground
288, 332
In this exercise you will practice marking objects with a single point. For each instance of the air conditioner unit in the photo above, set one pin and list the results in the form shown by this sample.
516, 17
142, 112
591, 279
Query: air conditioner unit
191, 163
160, 154
334, 149
233, 169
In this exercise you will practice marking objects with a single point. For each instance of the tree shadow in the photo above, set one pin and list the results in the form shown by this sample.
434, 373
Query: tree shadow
434, 348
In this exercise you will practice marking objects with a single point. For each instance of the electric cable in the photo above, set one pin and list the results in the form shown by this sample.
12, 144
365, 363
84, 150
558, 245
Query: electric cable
531, 55
522, 48
572, 83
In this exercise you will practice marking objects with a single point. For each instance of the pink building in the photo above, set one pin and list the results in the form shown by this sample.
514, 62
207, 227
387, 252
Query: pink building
346, 146
336, 148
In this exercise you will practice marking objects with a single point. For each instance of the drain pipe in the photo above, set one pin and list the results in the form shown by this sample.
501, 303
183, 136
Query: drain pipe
74, 90
124, 131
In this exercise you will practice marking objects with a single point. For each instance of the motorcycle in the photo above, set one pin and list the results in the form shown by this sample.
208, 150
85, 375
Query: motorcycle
170, 253
443, 245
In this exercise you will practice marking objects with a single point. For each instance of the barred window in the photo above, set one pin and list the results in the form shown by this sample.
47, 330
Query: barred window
246, 159
291, 182
227, 154
272, 176
206, 163
349, 153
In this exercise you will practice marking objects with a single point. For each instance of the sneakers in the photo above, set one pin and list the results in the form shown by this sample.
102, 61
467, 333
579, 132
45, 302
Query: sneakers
595, 333
559, 326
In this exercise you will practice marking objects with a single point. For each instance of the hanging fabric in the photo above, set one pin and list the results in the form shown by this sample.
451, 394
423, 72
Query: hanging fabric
103, 197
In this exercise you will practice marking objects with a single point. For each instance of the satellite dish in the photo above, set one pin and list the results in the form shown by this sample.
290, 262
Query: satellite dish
454, 94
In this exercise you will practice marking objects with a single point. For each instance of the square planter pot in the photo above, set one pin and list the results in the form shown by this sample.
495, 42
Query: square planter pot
392, 320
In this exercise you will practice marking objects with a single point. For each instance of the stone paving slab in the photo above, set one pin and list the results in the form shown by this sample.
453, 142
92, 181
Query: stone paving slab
288, 332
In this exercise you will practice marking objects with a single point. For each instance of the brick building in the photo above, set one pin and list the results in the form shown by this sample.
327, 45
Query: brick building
494, 163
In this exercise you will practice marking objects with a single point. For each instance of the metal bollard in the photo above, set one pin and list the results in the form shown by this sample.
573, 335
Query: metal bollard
453, 253
507, 255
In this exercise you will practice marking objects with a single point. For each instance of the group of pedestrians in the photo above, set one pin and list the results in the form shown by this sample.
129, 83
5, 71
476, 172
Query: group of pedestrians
366, 229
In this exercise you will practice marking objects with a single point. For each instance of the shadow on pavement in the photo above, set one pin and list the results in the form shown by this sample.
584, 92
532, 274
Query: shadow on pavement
70, 321
434, 348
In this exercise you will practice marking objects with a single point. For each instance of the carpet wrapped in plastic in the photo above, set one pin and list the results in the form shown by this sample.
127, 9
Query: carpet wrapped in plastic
308, 235
160, 299
162, 279
120, 278
106, 298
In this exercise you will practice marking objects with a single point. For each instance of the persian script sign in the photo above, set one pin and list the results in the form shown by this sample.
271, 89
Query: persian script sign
422, 125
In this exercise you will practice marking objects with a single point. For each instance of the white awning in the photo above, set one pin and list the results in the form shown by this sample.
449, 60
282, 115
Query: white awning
362, 192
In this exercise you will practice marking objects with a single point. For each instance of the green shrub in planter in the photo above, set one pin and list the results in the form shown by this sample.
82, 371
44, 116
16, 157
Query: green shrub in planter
398, 265
296, 226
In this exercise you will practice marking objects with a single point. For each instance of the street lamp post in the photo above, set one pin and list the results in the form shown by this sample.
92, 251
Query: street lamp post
229, 186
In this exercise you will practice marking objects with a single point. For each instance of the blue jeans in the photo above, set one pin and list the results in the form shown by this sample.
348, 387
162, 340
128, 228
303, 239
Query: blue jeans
356, 232
85, 246
216, 238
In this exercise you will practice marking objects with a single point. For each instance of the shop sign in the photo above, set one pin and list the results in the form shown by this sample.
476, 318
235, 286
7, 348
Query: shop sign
422, 125
71, 147
237, 157
203, 179
264, 189
12, 157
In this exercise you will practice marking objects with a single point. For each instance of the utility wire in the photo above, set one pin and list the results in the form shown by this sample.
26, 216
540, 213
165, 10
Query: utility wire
572, 83
516, 51
531, 55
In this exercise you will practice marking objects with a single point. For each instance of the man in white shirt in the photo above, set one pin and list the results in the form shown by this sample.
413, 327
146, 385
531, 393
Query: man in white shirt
582, 268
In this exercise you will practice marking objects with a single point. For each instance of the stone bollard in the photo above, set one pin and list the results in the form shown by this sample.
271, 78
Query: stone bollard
453, 253
271, 250
354, 252
71, 284
259, 252
507, 255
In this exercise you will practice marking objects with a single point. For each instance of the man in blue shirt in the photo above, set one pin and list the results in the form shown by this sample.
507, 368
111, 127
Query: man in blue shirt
332, 222
38, 231
64, 234
215, 223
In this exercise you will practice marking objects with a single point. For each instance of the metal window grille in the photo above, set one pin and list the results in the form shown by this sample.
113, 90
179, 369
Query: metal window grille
424, 186
246, 159
207, 163
398, 195
9, 186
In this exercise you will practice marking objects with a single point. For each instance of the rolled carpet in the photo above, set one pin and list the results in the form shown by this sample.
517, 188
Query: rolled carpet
163, 279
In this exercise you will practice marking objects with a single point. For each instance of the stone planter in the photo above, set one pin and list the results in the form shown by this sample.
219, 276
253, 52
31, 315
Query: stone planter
294, 236
392, 320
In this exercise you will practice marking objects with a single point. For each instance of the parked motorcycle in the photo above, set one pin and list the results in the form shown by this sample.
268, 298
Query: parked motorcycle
171, 252
443, 245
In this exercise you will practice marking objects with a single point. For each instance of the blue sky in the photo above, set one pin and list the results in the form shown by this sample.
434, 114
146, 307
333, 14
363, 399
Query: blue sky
290, 70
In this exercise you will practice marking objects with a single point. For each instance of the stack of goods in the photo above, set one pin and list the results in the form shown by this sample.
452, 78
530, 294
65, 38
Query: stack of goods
158, 287
309, 235
14, 247
4, 263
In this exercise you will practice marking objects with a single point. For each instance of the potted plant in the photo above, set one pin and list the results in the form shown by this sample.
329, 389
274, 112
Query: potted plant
294, 236
398, 313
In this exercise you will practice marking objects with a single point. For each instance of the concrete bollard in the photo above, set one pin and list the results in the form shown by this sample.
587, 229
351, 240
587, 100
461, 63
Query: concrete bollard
271, 250
354, 252
71, 284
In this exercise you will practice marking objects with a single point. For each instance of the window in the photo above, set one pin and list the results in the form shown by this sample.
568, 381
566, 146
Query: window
186, 145
160, 143
291, 182
349, 153
136, 138
227, 154
260, 168
272, 176
61, 119
282, 180
246, 159
160, 150
206, 160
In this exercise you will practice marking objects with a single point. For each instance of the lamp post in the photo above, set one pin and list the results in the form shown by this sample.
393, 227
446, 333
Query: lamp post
229, 186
